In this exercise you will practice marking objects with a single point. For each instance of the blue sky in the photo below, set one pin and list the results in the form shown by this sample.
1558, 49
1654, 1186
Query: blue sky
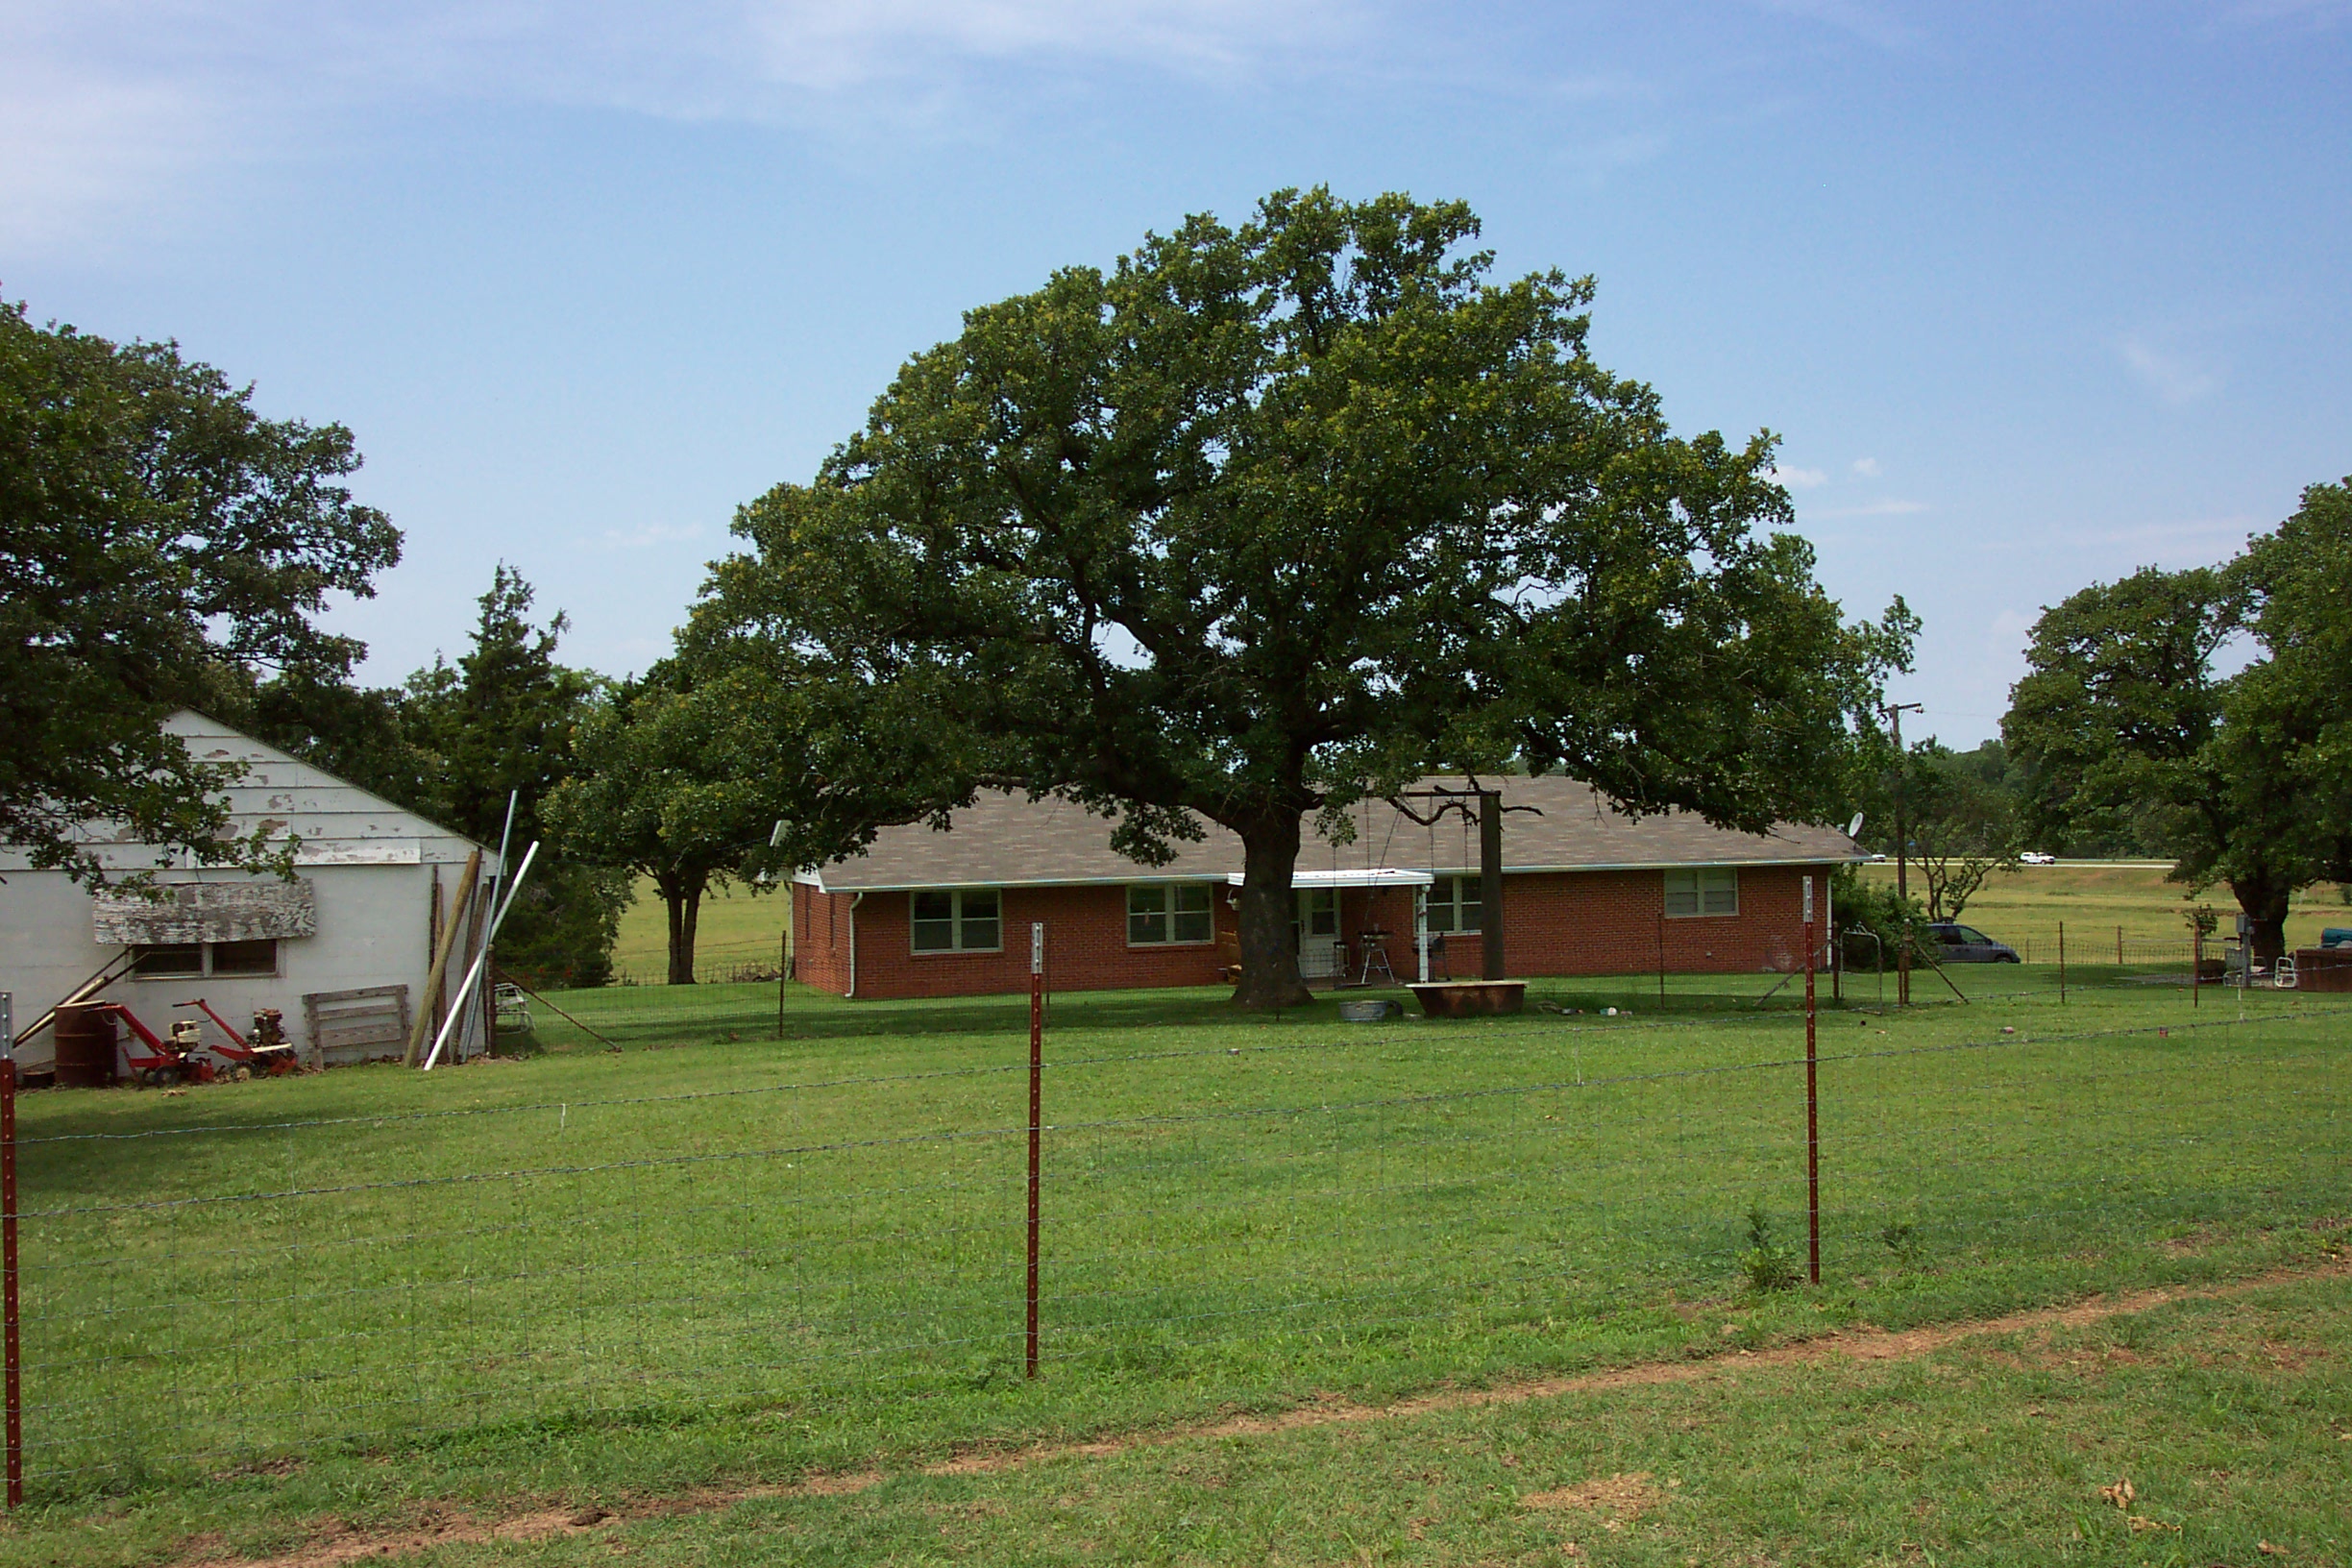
2033, 294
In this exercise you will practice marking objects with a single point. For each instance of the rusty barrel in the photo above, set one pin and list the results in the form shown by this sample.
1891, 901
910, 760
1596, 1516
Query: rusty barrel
84, 1046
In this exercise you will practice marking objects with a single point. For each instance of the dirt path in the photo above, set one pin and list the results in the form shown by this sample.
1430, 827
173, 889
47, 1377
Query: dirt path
339, 1547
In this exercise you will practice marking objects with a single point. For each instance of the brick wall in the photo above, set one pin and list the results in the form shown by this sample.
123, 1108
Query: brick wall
1557, 923
1086, 947
820, 938
1608, 922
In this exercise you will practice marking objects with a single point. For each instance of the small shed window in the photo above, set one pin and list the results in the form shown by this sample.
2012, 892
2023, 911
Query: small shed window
1702, 890
257, 957
193, 960
1169, 913
1457, 906
957, 920
159, 962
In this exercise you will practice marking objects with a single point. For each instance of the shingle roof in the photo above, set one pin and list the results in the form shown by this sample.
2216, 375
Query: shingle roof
1007, 840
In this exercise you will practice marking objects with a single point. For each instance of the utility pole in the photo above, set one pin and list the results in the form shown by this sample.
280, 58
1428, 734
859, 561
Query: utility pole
1903, 848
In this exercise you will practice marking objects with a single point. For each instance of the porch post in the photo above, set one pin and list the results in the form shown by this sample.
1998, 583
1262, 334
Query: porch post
1490, 878
1421, 930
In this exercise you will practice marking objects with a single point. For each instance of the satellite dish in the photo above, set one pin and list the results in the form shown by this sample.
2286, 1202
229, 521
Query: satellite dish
1853, 829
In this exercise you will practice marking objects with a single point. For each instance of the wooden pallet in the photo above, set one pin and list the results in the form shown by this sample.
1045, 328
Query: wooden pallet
358, 1025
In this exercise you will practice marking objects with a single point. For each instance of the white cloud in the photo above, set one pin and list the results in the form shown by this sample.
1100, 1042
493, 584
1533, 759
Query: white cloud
828, 44
1799, 478
649, 535
2317, 15
2193, 542
1866, 467
1875, 508
1872, 24
2172, 376
2007, 637
106, 105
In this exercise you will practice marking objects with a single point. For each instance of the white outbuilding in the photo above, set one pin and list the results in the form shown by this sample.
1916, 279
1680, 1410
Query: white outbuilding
343, 952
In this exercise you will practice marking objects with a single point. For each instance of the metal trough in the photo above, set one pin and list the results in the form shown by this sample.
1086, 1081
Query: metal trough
1470, 998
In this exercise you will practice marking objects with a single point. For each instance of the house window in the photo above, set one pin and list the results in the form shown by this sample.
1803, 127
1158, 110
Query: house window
194, 960
1169, 912
1703, 889
957, 920
1457, 906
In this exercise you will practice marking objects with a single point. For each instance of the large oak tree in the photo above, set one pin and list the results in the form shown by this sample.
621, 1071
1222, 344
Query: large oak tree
1272, 516
158, 539
2124, 724
676, 783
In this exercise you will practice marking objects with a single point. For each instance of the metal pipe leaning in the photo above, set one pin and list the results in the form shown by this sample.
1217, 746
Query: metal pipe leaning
473, 975
448, 945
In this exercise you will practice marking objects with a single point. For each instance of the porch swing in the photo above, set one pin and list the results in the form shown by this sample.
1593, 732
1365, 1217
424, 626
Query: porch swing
1324, 950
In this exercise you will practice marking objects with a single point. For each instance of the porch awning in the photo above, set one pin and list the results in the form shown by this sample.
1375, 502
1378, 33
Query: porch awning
1369, 876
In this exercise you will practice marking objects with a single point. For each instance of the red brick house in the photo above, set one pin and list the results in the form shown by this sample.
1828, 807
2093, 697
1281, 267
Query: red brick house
1586, 891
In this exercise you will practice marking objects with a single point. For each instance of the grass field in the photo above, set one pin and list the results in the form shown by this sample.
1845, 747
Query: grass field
2097, 900
738, 926
594, 1275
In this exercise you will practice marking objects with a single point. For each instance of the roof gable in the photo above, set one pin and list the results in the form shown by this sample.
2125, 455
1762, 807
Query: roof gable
1006, 840
338, 822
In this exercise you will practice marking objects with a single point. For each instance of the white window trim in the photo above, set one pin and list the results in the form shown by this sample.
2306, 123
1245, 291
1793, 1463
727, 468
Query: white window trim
1454, 882
956, 918
1168, 914
1698, 875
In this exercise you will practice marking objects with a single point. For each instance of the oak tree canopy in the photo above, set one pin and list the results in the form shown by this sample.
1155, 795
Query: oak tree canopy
1271, 517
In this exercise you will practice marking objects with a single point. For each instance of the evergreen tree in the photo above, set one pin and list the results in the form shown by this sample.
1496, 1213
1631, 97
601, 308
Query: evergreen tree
502, 721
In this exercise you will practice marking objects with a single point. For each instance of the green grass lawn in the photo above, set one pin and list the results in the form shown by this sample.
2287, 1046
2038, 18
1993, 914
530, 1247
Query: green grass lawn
2229, 1418
714, 1254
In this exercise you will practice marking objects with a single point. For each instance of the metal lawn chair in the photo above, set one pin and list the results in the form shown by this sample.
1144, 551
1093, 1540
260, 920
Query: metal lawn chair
510, 1008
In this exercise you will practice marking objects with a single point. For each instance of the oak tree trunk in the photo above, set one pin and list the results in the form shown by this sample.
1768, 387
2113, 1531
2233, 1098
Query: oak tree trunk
2264, 902
1269, 952
683, 894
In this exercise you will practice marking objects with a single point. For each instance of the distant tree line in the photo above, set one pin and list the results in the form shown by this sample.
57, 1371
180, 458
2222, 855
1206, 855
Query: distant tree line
2127, 738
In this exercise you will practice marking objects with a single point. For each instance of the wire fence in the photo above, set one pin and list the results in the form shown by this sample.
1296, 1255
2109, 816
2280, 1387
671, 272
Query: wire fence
1220, 1215
719, 961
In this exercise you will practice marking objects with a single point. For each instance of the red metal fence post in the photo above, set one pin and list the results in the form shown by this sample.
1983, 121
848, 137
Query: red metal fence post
7, 1260
1037, 1118
1812, 1104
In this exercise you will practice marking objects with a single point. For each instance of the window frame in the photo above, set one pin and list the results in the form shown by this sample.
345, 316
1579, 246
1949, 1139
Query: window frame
1724, 878
1169, 912
958, 917
1455, 903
